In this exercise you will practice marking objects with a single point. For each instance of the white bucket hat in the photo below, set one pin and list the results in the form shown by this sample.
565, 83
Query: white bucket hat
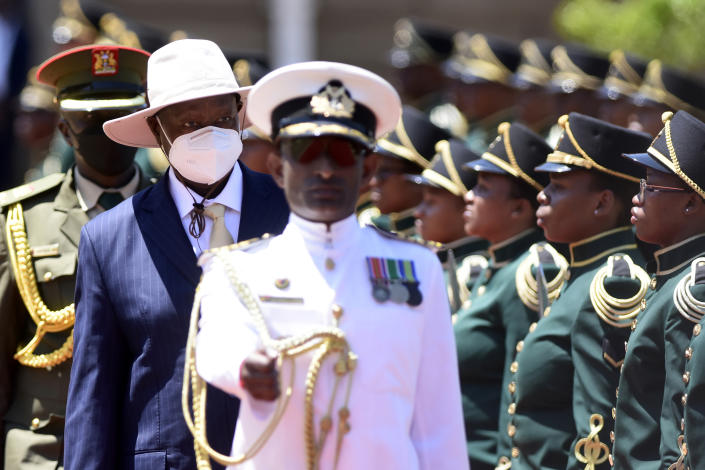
180, 71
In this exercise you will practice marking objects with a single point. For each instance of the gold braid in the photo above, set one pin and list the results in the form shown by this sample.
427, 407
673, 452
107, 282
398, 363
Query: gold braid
47, 321
666, 118
325, 340
526, 285
687, 305
612, 310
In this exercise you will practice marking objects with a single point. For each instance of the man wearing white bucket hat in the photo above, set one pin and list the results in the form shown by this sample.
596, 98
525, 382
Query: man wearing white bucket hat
350, 324
137, 267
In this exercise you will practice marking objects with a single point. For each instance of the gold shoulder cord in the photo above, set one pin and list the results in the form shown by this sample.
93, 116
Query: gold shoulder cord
689, 307
325, 342
47, 321
612, 310
526, 284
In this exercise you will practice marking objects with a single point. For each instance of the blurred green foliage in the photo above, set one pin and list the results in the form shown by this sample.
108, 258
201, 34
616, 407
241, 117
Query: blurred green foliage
670, 30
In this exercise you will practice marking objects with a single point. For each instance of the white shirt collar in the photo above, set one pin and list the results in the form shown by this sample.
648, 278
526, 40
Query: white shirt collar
89, 192
337, 236
230, 196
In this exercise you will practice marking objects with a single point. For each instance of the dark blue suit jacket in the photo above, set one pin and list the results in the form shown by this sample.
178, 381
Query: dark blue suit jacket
136, 278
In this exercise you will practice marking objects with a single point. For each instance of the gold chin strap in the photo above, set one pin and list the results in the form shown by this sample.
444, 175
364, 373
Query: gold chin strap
612, 310
47, 321
526, 285
324, 341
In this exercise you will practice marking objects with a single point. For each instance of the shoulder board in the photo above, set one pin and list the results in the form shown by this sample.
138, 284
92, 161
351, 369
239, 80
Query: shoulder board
30, 189
618, 289
435, 246
688, 301
247, 245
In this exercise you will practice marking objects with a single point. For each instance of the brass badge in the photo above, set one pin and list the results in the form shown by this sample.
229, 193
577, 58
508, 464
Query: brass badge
105, 61
282, 283
333, 100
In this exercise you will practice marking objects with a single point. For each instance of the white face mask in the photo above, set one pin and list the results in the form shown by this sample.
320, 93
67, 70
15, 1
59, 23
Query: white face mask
205, 155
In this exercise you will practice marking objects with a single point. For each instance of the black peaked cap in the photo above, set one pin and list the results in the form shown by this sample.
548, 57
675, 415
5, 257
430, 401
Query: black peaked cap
446, 169
673, 88
482, 58
575, 68
624, 77
535, 67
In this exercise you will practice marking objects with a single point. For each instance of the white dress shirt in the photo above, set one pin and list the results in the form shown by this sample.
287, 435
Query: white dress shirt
405, 397
230, 197
89, 192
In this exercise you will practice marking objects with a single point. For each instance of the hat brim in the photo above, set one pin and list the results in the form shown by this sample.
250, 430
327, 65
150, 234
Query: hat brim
550, 167
646, 160
326, 129
483, 165
133, 130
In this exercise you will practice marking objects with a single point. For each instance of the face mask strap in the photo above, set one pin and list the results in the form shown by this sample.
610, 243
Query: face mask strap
163, 131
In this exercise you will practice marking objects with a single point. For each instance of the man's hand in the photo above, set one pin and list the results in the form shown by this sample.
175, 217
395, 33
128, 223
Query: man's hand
259, 376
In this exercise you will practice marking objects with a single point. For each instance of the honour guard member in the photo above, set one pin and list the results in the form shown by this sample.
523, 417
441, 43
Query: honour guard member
480, 71
501, 209
669, 211
622, 82
407, 150
42, 222
664, 89
313, 316
585, 206
439, 218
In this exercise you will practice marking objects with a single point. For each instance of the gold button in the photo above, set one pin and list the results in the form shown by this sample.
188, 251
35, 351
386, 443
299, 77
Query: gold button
48, 276
616, 392
642, 304
330, 264
634, 325
688, 353
520, 346
684, 399
614, 413
686, 377
35, 423
481, 290
682, 424
652, 284
337, 311
684, 448
512, 408
696, 329
511, 430
512, 387
282, 283
515, 452
514, 367
612, 436
611, 459
532, 327
546, 311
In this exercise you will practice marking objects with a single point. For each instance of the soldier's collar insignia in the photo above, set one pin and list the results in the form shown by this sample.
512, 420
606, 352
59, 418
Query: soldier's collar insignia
333, 100
105, 61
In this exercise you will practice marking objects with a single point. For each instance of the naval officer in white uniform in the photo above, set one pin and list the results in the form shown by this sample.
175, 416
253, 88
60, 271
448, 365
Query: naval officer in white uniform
336, 338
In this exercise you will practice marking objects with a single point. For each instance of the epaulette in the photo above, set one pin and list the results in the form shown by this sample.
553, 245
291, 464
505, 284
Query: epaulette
471, 267
690, 306
246, 245
365, 216
435, 246
30, 189
532, 293
617, 290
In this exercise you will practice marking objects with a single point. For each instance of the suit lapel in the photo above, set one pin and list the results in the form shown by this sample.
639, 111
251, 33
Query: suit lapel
255, 210
161, 227
67, 203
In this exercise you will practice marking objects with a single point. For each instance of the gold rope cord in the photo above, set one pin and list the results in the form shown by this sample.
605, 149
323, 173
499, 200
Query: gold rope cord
47, 321
612, 310
688, 306
325, 341
666, 118
589, 450
526, 284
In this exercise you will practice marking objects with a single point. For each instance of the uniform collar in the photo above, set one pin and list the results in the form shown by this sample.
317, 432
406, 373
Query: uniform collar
89, 192
230, 196
462, 247
504, 252
336, 236
672, 258
403, 222
600, 246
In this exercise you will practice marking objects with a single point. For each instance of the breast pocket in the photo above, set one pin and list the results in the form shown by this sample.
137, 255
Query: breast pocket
56, 278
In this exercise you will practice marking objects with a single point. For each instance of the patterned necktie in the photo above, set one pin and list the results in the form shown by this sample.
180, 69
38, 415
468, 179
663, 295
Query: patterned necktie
219, 233
109, 200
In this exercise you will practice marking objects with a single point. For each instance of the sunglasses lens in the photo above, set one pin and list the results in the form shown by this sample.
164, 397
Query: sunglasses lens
306, 150
342, 152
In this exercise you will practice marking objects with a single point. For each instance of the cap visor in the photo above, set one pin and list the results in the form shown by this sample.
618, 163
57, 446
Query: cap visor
133, 130
550, 167
483, 165
646, 160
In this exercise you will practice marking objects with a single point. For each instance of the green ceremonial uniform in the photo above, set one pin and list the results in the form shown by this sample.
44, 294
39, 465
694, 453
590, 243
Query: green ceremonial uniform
598, 337
541, 422
486, 330
33, 396
463, 260
398, 222
649, 409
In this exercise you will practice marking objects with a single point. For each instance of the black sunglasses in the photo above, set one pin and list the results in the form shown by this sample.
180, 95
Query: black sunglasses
307, 149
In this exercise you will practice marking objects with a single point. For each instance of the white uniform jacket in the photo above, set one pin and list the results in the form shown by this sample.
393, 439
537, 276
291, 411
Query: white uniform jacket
405, 408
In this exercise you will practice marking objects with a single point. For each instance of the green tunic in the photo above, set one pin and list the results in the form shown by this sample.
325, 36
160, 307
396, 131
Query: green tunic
597, 340
486, 330
398, 222
541, 422
693, 398
648, 398
463, 260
